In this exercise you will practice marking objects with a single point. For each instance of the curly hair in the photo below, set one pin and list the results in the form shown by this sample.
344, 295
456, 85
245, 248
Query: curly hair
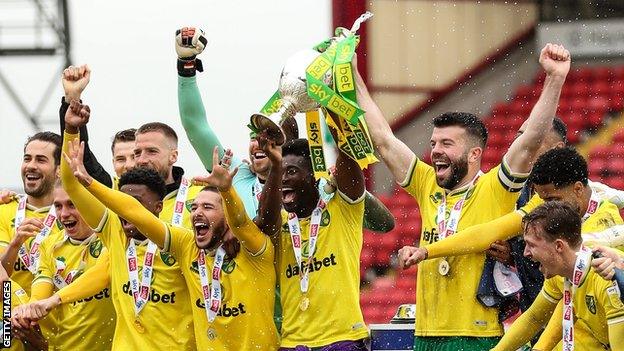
145, 176
560, 167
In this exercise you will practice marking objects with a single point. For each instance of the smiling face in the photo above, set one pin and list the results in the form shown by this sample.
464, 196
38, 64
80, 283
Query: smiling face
148, 199
208, 220
154, 150
123, 157
260, 163
38, 168
450, 156
68, 215
298, 185
539, 249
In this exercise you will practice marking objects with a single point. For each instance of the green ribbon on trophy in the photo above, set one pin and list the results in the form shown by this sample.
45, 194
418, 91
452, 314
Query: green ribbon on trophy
352, 133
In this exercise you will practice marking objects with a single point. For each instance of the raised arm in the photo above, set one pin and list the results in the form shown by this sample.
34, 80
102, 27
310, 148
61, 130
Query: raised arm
120, 203
269, 218
527, 325
349, 175
377, 217
397, 156
244, 229
89, 207
555, 60
189, 43
75, 79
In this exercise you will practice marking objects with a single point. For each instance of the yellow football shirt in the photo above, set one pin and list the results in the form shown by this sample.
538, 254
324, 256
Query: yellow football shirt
595, 304
452, 298
169, 204
334, 290
165, 323
606, 216
21, 274
245, 319
95, 313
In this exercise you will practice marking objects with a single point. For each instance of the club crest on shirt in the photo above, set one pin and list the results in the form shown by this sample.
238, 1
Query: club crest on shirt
437, 197
188, 204
325, 218
95, 249
305, 251
590, 301
167, 258
195, 267
228, 266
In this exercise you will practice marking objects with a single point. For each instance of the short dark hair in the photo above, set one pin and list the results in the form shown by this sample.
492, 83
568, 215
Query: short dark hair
471, 123
158, 127
145, 176
211, 188
560, 167
49, 137
558, 220
561, 129
298, 147
123, 136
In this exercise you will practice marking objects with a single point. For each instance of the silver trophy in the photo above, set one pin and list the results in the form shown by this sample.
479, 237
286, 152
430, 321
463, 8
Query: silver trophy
293, 90
294, 93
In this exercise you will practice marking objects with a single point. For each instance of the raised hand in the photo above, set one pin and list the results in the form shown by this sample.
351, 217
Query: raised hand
6, 196
74, 158
220, 177
500, 250
410, 255
29, 228
270, 148
75, 80
555, 60
77, 115
189, 42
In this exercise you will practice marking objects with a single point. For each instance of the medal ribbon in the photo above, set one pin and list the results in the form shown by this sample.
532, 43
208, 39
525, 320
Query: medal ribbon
581, 267
295, 236
212, 292
447, 229
31, 258
180, 202
58, 280
140, 293
592, 206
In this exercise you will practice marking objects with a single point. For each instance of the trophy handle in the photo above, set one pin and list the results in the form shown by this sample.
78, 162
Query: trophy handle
270, 124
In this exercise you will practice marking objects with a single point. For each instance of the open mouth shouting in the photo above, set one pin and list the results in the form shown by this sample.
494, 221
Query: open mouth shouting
288, 195
70, 225
202, 228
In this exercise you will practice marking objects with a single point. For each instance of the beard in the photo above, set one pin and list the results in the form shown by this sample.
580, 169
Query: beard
459, 169
46, 187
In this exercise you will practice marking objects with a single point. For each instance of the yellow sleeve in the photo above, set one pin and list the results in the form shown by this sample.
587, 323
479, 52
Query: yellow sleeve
553, 332
90, 282
6, 230
43, 285
527, 325
242, 226
477, 238
531, 205
18, 294
418, 179
89, 207
616, 336
129, 208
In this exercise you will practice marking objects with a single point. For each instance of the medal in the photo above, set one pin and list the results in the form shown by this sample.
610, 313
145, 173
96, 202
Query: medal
304, 304
138, 326
211, 333
444, 267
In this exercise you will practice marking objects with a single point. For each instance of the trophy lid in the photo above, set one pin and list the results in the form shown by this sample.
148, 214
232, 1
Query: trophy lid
405, 314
